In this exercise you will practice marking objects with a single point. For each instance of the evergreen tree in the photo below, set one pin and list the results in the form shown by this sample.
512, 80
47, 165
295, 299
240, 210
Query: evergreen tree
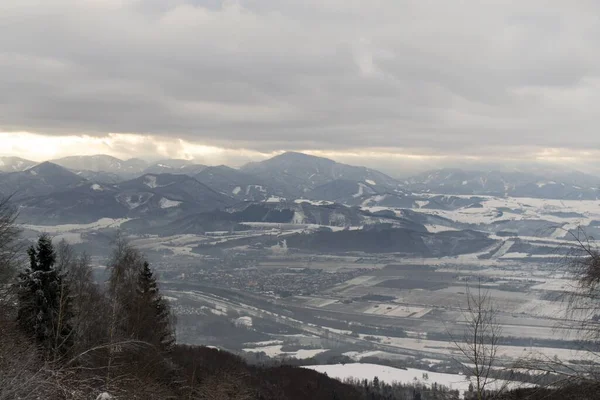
416, 394
376, 384
154, 322
44, 301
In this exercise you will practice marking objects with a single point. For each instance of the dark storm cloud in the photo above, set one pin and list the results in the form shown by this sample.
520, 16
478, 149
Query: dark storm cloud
444, 76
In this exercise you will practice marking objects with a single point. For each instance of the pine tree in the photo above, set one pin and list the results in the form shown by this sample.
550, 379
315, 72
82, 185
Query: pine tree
44, 301
376, 384
154, 322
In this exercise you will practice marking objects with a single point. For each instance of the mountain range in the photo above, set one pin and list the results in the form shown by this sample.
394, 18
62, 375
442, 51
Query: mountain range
299, 174
72, 199
74, 189
15, 164
38, 180
565, 186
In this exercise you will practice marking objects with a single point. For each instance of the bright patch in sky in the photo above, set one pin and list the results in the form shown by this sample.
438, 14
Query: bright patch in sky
397, 162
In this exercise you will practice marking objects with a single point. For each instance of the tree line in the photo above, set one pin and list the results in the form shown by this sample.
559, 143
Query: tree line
81, 333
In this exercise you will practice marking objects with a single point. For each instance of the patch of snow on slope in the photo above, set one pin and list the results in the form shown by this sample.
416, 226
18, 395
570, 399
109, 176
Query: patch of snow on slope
244, 321
131, 204
275, 199
422, 203
523, 255
274, 351
264, 343
314, 202
370, 182
503, 249
298, 218
357, 355
166, 203
96, 187
310, 353
259, 187
562, 215
150, 181
361, 190
374, 200
542, 184
55, 229
237, 190
438, 228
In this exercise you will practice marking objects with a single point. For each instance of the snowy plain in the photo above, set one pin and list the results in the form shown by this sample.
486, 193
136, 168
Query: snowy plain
405, 376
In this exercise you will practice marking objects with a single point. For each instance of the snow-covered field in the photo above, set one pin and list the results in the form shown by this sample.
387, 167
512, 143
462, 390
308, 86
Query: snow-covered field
167, 203
405, 376
496, 209
402, 311
275, 351
504, 352
55, 229
438, 228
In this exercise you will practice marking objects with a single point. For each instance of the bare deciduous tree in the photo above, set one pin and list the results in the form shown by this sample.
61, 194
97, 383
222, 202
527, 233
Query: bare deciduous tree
224, 386
582, 298
9, 241
89, 303
479, 345
583, 318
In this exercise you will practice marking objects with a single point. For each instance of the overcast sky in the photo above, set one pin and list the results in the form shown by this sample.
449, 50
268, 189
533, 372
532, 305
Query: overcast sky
399, 85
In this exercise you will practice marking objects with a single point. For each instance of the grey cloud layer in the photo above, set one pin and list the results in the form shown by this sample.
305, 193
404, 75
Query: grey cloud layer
310, 74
